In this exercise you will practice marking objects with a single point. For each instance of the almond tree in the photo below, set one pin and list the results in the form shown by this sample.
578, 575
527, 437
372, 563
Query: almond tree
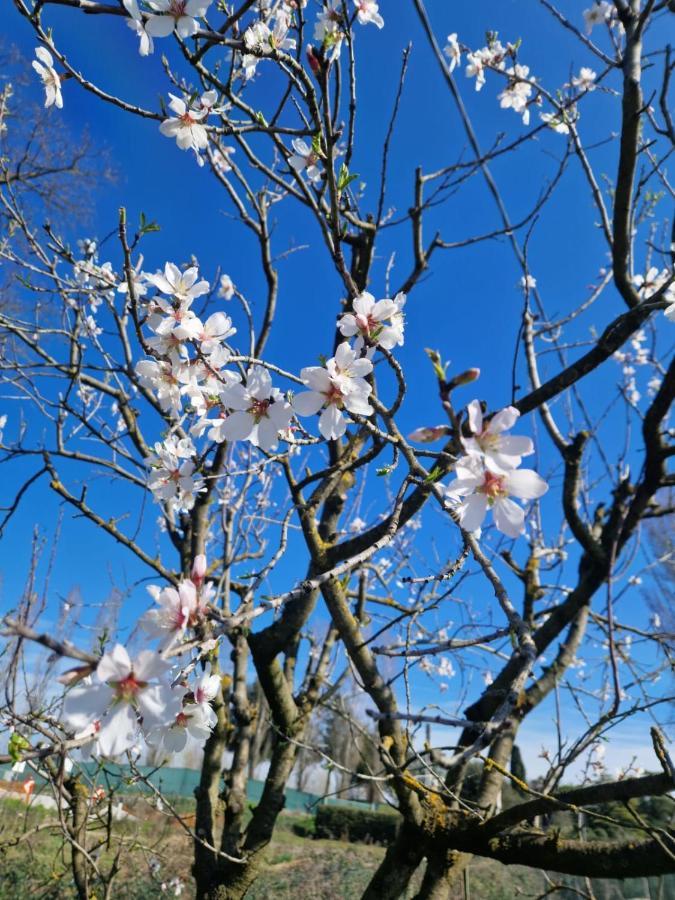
137, 372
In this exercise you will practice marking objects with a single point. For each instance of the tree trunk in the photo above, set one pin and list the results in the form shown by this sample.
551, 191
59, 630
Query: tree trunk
398, 866
442, 875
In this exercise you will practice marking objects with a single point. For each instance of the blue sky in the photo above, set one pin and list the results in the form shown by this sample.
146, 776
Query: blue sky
469, 304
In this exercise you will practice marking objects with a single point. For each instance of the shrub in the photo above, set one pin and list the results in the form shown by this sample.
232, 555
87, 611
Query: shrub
357, 825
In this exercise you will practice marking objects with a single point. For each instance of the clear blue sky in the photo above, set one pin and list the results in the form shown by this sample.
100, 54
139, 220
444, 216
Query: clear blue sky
468, 306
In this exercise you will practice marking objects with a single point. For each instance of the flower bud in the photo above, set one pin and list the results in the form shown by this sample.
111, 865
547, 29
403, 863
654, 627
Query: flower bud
198, 569
428, 434
467, 377
313, 60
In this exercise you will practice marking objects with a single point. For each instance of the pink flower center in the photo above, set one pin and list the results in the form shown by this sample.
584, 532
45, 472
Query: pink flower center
367, 324
181, 720
128, 687
177, 8
493, 486
334, 396
258, 409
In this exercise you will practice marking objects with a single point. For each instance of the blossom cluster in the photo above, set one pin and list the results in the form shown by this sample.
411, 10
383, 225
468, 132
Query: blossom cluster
521, 91
128, 700
487, 477
188, 373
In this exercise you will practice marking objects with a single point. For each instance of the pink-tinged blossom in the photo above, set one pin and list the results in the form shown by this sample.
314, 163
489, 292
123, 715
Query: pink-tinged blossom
217, 328
158, 377
123, 691
503, 451
478, 488
51, 80
260, 411
187, 126
175, 15
205, 691
177, 609
198, 569
478, 61
453, 51
368, 12
305, 158
378, 322
340, 385
173, 476
476, 68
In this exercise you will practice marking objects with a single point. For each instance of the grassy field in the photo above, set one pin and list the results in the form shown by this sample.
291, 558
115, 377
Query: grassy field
297, 867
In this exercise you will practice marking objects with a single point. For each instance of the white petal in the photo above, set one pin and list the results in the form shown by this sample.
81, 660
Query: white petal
332, 424
307, 403
475, 416
509, 517
503, 420
160, 26
114, 666
526, 484
238, 426
149, 665
118, 731
85, 704
472, 511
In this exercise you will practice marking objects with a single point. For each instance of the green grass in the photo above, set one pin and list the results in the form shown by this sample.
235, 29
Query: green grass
296, 866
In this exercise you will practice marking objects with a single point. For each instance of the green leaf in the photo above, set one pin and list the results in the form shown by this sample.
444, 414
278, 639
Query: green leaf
434, 475
17, 744
316, 144
344, 178
146, 226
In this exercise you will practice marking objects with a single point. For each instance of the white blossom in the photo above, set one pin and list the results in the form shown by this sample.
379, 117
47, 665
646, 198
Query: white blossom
136, 23
329, 28
453, 52
517, 93
597, 14
585, 80
368, 13
503, 451
340, 385
379, 322
186, 127
305, 158
51, 80
226, 287
123, 691
191, 721
175, 15
260, 412
478, 488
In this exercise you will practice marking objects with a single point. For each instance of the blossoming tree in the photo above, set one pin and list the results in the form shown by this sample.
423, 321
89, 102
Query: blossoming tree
158, 374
